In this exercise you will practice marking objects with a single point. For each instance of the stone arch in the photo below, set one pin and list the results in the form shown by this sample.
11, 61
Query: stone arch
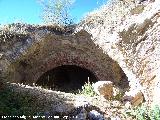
71, 60
50, 51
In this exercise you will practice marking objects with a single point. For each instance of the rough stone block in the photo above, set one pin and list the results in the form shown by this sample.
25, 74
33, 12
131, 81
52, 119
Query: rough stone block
104, 88
135, 98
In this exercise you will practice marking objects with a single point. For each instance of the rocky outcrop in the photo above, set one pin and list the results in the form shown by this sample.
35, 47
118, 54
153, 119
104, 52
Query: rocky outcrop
131, 37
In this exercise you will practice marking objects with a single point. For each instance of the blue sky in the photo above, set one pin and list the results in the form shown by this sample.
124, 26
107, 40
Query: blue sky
28, 11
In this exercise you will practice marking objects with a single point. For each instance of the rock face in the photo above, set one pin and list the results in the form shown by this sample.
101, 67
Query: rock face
132, 39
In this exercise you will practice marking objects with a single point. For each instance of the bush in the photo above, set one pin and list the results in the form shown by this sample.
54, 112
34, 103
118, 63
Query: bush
87, 90
155, 113
143, 113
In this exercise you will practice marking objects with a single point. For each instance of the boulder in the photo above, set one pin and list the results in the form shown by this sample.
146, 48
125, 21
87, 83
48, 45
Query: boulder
104, 88
94, 115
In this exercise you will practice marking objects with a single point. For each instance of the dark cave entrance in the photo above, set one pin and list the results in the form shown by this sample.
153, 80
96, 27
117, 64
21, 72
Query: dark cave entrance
66, 78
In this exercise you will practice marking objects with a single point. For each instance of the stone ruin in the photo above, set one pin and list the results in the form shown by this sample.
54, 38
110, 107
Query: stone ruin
59, 61
128, 55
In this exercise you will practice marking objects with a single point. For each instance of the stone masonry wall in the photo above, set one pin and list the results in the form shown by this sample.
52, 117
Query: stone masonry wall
43, 49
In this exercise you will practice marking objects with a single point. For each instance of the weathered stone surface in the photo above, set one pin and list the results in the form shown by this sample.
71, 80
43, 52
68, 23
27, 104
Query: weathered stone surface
104, 88
44, 48
138, 99
50, 101
133, 41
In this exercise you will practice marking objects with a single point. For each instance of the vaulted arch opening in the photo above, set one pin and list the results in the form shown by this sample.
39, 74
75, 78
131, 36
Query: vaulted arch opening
66, 78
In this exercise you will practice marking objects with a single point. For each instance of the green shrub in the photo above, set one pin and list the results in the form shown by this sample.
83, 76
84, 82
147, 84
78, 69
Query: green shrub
155, 113
143, 113
87, 90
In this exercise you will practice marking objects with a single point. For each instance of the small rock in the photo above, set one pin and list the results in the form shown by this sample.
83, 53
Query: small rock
1, 55
138, 99
134, 97
94, 115
104, 88
82, 115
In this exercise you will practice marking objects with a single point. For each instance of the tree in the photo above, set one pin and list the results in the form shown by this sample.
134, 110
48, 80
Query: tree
57, 12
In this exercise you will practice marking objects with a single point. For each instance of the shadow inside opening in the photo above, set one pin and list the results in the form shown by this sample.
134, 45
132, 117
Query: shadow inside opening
66, 78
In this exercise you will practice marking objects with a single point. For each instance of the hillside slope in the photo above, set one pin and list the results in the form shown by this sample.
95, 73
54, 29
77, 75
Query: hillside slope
130, 34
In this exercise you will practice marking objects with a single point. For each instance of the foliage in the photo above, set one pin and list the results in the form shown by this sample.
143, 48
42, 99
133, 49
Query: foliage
87, 90
14, 104
155, 113
143, 113
57, 12
118, 96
